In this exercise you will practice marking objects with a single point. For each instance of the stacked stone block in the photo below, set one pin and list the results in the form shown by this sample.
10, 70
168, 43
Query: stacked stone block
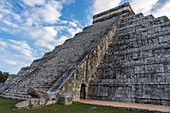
44, 72
123, 57
136, 67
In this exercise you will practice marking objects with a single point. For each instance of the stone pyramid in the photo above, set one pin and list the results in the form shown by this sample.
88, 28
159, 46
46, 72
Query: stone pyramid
123, 57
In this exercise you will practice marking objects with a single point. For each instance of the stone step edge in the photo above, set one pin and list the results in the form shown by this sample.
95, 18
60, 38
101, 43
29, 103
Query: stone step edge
139, 24
142, 64
148, 18
138, 19
16, 95
139, 58
14, 98
19, 97
132, 16
145, 29
17, 91
127, 14
150, 37
152, 47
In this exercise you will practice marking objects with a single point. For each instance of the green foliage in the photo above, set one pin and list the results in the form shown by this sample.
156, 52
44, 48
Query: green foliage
3, 76
76, 107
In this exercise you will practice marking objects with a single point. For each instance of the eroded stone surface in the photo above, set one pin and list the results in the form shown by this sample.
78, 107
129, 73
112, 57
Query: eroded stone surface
135, 69
65, 99
124, 59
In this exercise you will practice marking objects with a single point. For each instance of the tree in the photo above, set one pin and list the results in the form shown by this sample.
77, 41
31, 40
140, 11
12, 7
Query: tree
3, 76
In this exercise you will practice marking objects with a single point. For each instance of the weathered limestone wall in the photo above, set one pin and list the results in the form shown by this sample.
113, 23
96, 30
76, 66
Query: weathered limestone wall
43, 73
124, 60
136, 67
85, 69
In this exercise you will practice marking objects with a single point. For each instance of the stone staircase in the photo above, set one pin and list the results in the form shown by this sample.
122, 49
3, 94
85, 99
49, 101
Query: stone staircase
136, 67
42, 73
122, 57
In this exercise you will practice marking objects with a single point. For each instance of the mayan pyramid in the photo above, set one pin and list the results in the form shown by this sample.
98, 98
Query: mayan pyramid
122, 57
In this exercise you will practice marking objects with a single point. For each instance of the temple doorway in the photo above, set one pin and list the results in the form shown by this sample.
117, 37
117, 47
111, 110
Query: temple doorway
83, 91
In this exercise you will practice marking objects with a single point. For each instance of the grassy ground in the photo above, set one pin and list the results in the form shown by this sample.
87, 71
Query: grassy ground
6, 106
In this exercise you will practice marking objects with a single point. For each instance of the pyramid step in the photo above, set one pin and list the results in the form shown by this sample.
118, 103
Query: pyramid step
23, 71
14, 97
45, 87
104, 66
124, 41
136, 58
143, 23
127, 15
107, 76
18, 90
136, 20
131, 17
46, 55
147, 31
23, 93
140, 43
17, 95
38, 61
143, 48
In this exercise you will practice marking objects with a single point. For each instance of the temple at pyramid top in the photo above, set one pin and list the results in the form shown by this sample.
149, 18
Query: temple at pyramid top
116, 11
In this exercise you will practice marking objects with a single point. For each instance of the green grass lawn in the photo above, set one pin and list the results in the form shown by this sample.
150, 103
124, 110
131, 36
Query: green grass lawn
7, 105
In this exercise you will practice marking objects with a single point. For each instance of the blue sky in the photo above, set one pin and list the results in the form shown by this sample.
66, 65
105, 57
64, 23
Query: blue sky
29, 28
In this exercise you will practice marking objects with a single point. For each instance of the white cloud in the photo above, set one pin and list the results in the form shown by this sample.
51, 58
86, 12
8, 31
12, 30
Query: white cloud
68, 2
164, 10
49, 13
2, 49
73, 31
51, 31
1, 16
143, 6
9, 62
10, 23
32, 21
22, 47
5, 11
103, 5
8, 14
73, 24
44, 37
29, 22
3, 43
32, 3
61, 40
4, 29
63, 22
